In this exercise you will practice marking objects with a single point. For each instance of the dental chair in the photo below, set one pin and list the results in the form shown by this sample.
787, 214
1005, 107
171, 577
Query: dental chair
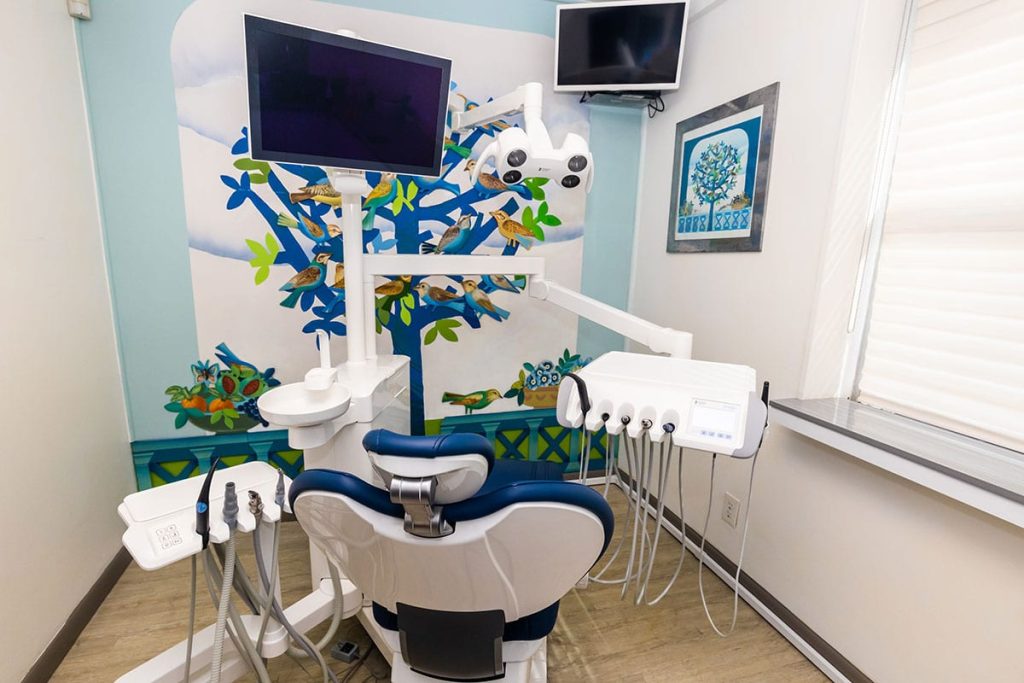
463, 557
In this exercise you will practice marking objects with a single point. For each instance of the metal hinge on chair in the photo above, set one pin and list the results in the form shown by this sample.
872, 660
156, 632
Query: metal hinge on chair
416, 495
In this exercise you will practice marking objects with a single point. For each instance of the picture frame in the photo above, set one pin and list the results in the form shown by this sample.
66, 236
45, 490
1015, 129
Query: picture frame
720, 175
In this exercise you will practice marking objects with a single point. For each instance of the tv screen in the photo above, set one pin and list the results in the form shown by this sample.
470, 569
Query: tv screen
620, 45
323, 99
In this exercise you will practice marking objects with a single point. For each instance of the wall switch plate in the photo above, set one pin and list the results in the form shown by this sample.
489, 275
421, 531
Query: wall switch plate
730, 509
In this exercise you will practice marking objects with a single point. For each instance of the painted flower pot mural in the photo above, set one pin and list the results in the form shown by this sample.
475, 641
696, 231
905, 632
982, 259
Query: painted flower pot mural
537, 385
221, 399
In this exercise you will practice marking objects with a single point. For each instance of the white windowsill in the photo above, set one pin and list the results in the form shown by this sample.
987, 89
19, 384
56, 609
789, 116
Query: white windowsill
992, 488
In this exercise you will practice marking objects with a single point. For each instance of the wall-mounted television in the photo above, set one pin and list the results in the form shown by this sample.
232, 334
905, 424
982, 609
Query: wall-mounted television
620, 46
324, 99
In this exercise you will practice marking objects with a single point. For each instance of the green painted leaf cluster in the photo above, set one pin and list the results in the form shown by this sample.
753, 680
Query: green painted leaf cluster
404, 196
445, 328
535, 220
258, 171
263, 256
534, 185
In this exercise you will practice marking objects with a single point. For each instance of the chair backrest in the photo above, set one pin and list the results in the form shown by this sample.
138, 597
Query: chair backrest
455, 565
518, 549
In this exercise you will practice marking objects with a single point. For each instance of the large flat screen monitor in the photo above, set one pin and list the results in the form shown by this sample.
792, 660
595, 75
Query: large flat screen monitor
324, 99
620, 46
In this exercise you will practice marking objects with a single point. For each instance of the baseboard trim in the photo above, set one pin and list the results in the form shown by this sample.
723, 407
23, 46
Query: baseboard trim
819, 651
62, 643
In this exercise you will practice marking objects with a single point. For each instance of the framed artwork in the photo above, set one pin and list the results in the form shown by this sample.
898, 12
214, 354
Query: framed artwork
720, 175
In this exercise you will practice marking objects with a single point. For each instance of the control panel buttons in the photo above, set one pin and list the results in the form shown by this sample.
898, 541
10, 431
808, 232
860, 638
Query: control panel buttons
512, 177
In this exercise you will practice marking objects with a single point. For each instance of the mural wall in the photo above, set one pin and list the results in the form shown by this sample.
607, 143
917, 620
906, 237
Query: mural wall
265, 250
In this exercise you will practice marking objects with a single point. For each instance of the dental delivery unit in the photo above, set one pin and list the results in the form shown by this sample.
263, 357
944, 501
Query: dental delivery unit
431, 542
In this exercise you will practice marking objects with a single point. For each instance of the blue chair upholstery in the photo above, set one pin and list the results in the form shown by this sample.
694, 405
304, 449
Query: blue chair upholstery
385, 442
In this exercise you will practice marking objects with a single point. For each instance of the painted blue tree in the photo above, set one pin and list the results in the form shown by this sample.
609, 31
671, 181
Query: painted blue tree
714, 175
413, 310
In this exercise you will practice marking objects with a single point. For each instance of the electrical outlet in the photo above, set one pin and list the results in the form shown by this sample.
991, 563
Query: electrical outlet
730, 509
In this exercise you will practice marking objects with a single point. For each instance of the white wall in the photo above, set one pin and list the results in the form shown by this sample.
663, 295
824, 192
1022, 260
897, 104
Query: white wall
65, 442
907, 584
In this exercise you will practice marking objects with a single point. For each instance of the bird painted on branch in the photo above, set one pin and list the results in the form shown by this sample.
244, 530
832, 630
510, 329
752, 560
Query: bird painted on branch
513, 231
392, 290
339, 277
305, 280
435, 296
227, 356
477, 400
453, 239
500, 282
383, 194
481, 303
493, 185
309, 227
321, 192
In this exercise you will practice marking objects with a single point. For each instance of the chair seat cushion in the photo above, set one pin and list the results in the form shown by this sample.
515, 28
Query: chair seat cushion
531, 627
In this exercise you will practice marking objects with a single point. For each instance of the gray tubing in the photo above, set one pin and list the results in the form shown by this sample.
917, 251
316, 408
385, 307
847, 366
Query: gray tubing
304, 643
240, 637
212, 584
222, 611
265, 606
191, 624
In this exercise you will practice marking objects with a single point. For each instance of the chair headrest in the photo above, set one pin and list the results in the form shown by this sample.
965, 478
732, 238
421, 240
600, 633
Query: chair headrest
459, 462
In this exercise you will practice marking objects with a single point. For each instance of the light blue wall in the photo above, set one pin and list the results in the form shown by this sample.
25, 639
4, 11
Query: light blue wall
615, 135
126, 65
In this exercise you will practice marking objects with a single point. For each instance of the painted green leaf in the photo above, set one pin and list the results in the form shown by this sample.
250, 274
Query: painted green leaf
409, 301
405, 316
411, 192
215, 418
257, 249
180, 421
551, 220
384, 316
528, 219
173, 407
229, 422
537, 231
257, 178
399, 200
447, 333
430, 336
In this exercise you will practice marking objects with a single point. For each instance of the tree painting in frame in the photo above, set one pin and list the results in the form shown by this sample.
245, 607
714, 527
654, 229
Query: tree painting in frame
720, 176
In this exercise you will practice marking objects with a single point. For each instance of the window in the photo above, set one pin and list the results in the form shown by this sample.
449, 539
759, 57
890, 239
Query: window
945, 333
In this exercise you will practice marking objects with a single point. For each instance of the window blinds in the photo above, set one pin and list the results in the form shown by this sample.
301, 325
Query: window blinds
945, 339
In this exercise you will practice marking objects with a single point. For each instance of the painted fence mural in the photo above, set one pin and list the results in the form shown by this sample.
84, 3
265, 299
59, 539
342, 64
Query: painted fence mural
266, 250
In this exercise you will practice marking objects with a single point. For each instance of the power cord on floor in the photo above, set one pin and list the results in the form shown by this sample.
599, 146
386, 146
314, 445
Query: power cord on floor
743, 547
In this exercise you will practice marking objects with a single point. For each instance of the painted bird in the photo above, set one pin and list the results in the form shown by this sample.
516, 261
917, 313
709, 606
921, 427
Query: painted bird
500, 282
452, 240
481, 303
477, 400
379, 196
305, 280
492, 184
395, 288
339, 277
227, 356
435, 296
309, 228
321, 192
513, 231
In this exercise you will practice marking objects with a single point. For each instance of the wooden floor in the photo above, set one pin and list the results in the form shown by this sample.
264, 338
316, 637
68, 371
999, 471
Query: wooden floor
598, 637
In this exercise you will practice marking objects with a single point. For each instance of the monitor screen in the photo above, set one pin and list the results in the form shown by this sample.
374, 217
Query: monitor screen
329, 100
619, 46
